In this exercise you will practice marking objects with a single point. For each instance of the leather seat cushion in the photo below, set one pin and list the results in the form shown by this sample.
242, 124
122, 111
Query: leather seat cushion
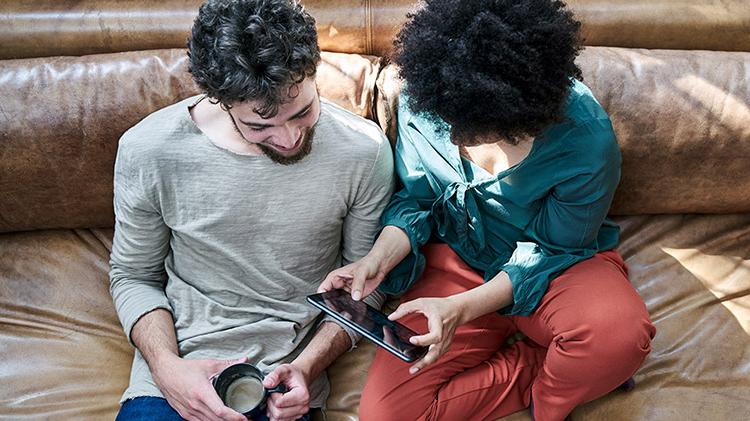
65, 356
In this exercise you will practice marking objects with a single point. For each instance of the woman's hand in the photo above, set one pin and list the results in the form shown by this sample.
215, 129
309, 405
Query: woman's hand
363, 276
359, 278
443, 316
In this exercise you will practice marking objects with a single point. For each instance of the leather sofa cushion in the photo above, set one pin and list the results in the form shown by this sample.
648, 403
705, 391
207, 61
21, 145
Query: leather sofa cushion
681, 118
51, 28
682, 121
694, 275
60, 131
65, 356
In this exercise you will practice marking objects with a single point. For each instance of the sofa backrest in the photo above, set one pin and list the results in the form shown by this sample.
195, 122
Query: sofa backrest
682, 117
61, 126
67, 27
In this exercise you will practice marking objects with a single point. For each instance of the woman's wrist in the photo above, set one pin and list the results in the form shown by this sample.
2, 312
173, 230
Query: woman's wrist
378, 258
484, 299
390, 248
462, 305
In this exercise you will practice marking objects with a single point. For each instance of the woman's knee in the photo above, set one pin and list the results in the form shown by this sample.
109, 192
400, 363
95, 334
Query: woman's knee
386, 396
619, 337
599, 312
377, 405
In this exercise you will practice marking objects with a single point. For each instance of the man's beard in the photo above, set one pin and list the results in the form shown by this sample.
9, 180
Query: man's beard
303, 151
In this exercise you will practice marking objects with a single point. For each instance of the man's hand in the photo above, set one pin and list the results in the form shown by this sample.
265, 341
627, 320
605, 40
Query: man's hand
359, 278
186, 384
295, 402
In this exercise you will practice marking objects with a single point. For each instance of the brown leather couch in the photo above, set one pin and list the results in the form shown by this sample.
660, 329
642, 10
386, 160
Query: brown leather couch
74, 75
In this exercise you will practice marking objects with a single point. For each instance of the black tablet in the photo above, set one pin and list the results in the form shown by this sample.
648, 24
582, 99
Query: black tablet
369, 322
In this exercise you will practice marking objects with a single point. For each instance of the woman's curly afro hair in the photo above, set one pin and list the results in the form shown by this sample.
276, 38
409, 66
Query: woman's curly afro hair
489, 66
252, 50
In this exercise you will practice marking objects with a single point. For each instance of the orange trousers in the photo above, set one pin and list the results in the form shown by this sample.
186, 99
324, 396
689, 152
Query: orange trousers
589, 335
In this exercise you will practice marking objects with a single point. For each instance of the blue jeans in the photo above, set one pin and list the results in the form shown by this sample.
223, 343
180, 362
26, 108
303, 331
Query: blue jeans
147, 408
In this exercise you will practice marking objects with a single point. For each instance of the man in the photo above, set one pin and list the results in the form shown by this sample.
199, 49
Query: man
230, 208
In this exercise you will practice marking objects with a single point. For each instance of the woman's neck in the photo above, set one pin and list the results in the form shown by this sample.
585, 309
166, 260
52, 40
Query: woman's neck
498, 156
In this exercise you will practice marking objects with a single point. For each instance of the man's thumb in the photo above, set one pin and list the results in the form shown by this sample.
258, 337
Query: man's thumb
271, 380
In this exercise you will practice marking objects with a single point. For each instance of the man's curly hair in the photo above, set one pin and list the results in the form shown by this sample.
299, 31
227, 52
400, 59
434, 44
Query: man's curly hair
252, 50
489, 66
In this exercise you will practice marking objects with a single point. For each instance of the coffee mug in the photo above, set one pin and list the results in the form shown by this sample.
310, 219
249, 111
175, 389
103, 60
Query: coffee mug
240, 387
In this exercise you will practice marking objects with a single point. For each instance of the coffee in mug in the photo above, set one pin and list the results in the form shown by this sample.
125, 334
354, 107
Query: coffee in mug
240, 387
244, 394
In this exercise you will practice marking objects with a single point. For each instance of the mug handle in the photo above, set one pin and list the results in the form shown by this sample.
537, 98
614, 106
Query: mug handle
280, 388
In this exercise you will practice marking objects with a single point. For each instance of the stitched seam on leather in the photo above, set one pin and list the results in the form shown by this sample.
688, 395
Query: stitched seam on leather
368, 27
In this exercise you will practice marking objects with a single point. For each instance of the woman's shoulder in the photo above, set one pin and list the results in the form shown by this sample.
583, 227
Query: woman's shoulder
583, 139
585, 126
582, 106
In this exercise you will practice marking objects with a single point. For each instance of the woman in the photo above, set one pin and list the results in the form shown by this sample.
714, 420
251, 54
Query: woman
509, 163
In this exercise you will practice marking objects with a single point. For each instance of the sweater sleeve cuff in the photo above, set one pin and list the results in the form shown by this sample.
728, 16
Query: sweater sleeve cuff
375, 299
137, 304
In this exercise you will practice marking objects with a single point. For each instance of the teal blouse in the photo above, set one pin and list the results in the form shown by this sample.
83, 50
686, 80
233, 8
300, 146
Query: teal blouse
532, 221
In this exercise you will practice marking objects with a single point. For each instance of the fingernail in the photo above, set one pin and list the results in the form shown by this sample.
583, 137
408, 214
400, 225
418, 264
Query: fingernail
356, 295
413, 370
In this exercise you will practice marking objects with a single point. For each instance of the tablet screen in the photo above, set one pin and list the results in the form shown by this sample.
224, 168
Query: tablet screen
370, 322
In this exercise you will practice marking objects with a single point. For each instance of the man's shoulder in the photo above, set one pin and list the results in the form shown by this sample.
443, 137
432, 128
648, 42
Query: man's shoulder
158, 129
350, 132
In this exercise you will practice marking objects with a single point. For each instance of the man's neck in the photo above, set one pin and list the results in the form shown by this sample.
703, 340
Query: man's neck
216, 124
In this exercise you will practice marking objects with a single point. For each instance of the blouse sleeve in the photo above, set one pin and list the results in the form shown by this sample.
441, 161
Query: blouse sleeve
409, 208
565, 230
